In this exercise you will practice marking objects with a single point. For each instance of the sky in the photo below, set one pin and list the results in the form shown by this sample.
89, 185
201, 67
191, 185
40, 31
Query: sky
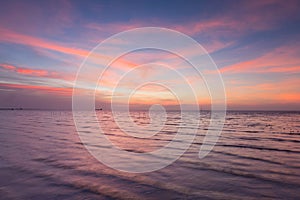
254, 44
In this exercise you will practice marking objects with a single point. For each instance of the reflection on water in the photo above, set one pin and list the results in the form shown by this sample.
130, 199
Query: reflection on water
257, 156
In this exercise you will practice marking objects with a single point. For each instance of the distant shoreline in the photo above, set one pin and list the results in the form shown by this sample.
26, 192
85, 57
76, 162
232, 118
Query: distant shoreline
11, 108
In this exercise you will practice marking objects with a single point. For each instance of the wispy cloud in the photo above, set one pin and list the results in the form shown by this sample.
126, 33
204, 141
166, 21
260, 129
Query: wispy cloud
28, 71
56, 90
284, 91
284, 59
18, 38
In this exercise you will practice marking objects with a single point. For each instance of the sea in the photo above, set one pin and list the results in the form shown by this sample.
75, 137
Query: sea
257, 156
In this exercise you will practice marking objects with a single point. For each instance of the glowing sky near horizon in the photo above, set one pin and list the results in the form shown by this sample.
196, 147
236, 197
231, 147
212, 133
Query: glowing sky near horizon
255, 44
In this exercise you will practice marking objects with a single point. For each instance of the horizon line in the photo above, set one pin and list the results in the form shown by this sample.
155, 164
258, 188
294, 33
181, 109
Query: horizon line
134, 110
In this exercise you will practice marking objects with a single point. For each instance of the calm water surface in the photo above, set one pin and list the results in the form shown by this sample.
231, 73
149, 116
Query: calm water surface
257, 156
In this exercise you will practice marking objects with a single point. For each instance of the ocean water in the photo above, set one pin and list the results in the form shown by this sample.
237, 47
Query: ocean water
257, 157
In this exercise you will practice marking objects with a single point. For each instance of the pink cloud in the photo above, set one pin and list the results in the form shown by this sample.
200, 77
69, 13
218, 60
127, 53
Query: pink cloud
28, 71
32, 72
13, 37
283, 59
8, 67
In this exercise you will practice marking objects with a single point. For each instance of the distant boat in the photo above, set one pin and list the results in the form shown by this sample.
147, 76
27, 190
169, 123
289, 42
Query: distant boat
98, 109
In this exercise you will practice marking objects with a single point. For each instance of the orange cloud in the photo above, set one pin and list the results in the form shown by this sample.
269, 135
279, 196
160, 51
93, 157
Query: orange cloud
282, 59
289, 97
286, 91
